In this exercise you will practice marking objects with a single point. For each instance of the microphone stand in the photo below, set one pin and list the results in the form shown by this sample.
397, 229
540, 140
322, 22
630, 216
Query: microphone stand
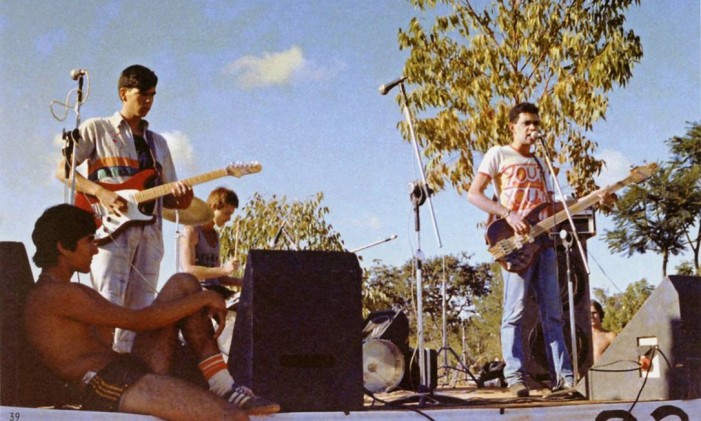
567, 242
71, 138
178, 235
419, 194
376, 243
564, 204
570, 294
445, 348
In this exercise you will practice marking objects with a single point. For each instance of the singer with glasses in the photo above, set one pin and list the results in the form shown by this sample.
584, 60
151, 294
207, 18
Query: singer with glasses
118, 149
521, 182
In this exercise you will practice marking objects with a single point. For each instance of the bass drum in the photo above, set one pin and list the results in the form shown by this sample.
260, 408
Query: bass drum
383, 365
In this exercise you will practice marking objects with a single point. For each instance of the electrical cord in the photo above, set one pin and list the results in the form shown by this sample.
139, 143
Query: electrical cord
642, 387
394, 405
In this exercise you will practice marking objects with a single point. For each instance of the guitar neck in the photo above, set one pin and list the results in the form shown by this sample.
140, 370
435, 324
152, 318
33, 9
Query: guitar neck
165, 189
586, 202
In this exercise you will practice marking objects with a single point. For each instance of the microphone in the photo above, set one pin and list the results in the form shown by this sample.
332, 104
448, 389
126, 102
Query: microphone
536, 135
388, 86
76, 73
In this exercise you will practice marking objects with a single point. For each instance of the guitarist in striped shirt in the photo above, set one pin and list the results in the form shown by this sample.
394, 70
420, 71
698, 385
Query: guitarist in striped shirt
125, 270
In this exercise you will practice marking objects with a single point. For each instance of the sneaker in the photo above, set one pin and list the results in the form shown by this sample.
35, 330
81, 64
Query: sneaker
519, 390
562, 386
245, 399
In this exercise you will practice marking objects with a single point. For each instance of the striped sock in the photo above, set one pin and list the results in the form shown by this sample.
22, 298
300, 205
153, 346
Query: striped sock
215, 372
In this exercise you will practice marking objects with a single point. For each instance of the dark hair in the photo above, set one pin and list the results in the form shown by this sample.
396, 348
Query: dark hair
137, 76
221, 196
65, 224
522, 107
598, 308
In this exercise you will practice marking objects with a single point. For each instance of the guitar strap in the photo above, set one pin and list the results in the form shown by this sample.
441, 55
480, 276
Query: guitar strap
151, 148
149, 208
545, 186
542, 177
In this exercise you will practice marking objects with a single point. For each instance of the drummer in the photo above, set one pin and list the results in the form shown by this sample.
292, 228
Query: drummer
199, 247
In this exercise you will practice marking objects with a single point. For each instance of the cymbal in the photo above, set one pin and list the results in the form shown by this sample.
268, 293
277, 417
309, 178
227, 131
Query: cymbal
197, 213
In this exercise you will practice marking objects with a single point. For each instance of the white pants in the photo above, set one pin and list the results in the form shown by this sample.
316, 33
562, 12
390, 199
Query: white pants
125, 272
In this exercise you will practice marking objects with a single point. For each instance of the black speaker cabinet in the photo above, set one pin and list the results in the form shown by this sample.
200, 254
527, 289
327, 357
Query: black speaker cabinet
536, 362
670, 321
297, 337
24, 379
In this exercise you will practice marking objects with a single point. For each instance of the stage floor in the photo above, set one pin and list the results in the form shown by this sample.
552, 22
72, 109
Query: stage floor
444, 404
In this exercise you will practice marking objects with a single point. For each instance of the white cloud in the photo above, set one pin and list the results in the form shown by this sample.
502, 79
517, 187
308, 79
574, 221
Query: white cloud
281, 68
617, 167
181, 151
268, 69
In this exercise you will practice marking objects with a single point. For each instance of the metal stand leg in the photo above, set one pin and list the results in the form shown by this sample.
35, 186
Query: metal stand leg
445, 349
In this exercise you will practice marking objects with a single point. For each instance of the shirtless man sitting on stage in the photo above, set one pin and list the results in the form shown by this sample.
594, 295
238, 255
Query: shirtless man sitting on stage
61, 319
601, 337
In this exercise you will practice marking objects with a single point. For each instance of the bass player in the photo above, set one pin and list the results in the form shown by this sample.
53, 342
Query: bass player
521, 183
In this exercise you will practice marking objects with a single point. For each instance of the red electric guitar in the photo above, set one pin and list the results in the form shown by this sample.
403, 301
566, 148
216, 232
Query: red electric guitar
111, 225
515, 253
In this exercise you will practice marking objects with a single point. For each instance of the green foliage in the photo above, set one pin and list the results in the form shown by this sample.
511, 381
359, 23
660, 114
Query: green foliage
389, 287
620, 308
484, 328
686, 269
259, 220
471, 66
686, 157
660, 214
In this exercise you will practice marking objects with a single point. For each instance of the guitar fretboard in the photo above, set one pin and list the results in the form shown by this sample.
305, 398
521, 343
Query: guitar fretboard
165, 189
586, 202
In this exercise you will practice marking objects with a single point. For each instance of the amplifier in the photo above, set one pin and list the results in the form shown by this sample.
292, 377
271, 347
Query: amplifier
584, 223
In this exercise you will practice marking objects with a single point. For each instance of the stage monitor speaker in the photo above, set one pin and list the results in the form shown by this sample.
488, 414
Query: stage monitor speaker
670, 320
536, 362
297, 336
24, 380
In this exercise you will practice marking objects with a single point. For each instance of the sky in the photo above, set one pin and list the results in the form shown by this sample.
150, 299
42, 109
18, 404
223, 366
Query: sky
294, 85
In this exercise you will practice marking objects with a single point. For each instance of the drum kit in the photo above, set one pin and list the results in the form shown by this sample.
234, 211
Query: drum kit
383, 362
383, 365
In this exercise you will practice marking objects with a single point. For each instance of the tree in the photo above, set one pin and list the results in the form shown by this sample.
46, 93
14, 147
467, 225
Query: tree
651, 217
260, 220
686, 157
388, 287
484, 328
472, 66
660, 215
620, 308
